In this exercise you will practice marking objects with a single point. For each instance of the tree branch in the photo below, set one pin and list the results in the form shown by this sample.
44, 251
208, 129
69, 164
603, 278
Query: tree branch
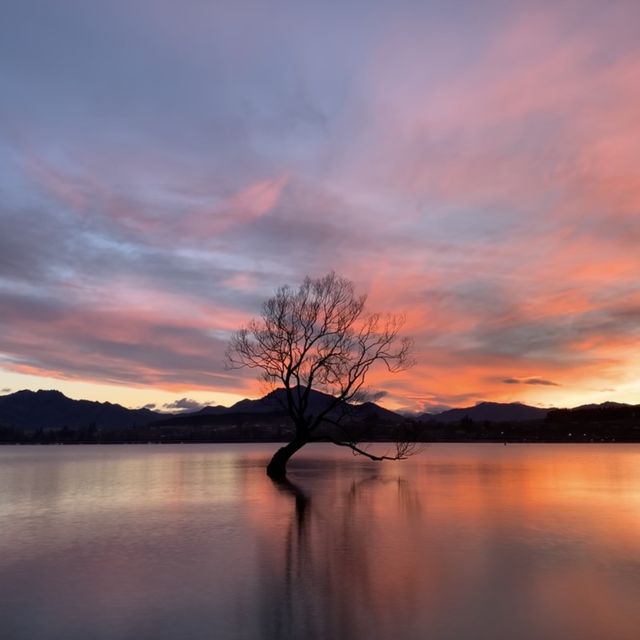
402, 452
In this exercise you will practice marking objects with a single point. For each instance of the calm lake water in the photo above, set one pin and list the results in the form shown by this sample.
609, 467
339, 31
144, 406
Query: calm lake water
193, 541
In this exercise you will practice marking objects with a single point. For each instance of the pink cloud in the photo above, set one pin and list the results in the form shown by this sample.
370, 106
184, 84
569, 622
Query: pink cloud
489, 191
252, 202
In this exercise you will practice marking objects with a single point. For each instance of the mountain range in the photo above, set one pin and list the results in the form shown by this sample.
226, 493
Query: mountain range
29, 410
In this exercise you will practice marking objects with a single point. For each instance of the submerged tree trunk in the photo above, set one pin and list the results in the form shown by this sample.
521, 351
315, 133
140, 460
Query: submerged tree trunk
277, 468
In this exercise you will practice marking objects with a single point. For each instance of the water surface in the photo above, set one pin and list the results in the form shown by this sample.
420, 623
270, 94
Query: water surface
193, 541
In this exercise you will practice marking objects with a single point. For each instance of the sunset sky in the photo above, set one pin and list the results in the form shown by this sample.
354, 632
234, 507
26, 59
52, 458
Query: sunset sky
164, 165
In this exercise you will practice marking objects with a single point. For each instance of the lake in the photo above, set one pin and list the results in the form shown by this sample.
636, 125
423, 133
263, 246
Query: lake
194, 541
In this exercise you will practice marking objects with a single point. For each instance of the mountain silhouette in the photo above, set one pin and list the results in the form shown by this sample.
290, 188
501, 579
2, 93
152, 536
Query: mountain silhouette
53, 410
490, 411
272, 407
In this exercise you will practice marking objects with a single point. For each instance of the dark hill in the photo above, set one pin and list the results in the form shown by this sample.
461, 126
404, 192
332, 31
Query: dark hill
272, 408
492, 412
277, 401
604, 413
26, 410
50, 410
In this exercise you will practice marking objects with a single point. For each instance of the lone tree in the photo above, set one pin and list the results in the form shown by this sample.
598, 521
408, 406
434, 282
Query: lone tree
320, 337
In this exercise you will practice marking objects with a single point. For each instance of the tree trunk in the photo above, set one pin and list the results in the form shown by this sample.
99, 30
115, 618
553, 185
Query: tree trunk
277, 468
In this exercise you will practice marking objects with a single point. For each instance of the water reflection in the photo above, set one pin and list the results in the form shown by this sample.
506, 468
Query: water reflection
326, 581
469, 547
196, 542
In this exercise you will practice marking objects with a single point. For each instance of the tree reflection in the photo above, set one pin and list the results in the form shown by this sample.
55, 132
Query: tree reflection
464, 544
321, 580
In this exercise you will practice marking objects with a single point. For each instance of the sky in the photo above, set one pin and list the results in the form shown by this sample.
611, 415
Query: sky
165, 165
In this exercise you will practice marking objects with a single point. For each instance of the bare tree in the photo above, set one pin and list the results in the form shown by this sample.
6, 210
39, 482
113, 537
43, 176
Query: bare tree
320, 337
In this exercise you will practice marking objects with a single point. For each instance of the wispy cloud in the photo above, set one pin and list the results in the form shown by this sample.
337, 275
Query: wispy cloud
533, 381
471, 167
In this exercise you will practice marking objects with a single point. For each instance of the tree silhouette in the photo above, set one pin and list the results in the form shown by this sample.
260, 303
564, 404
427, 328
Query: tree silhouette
320, 337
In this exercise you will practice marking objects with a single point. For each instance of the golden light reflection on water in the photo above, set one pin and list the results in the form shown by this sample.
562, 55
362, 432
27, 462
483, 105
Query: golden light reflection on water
473, 541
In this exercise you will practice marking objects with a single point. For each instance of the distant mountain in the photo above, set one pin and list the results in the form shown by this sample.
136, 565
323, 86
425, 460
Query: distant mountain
277, 401
605, 412
271, 403
602, 405
489, 411
32, 410
372, 411
273, 406
215, 410
25, 413
53, 410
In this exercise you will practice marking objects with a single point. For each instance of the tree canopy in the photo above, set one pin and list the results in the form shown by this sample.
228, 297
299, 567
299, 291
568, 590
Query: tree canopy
320, 337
